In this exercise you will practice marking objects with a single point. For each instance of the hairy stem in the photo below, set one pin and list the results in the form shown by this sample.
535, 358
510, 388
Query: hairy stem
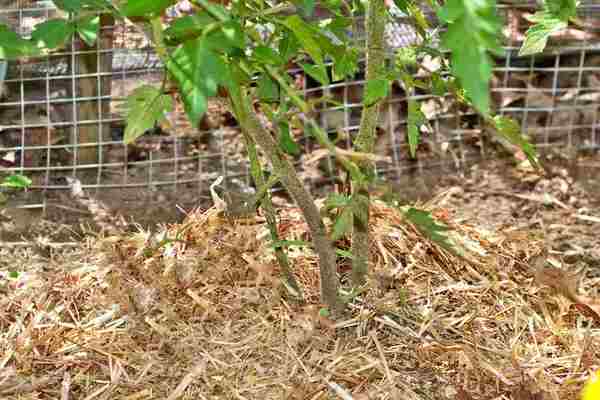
246, 116
365, 141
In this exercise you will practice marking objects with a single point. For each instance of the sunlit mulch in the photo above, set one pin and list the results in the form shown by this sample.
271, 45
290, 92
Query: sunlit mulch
197, 311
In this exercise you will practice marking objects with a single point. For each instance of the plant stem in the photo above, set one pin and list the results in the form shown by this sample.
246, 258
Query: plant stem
365, 142
289, 280
283, 168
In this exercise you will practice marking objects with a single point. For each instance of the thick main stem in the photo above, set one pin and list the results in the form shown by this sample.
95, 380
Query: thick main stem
365, 141
289, 178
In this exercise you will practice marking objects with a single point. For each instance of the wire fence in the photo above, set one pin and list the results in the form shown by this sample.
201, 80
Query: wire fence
62, 114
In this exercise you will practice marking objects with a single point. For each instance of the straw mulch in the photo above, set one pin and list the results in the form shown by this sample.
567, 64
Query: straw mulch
196, 311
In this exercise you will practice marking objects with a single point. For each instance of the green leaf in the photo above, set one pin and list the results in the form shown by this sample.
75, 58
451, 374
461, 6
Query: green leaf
511, 131
288, 45
13, 274
318, 72
324, 312
406, 56
16, 181
536, 37
88, 28
342, 224
13, 46
416, 118
146, 106
336, 200
346, 65
199, 72
344, 253
307, 7
473, 32
188, 27
266, 55
438, 85
267, 89
403, 5
562, 9
75, 6
377, 89
430, 228
53, 33
286, 141
145, 8
307, 37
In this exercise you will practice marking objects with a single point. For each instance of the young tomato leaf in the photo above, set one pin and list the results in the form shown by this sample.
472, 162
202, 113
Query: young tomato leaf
376, 90
536, 37
267, 89
87, 28
286, 141
416, 118
16, 181
188, 27
53, 33
199, 72
318, 72
430, 228
511, 131
143, 8
266, 55
342, 224
473, 31
13, 46
562, 9
306, 36
145, 106
75, 6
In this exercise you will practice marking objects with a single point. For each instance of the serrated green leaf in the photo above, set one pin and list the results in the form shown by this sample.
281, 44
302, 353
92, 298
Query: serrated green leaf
198, 72
267, 89
88, 28
536, 37
266, 55
430, 228
306, 36
416, 118
16, 181
144, 8
318, 72
346, 65
473, 32
53, 33
511, 131
286, 141
376, 89
342, 224
146, 106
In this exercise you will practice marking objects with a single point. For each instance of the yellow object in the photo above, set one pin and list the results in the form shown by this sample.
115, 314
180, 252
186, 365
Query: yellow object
591, 390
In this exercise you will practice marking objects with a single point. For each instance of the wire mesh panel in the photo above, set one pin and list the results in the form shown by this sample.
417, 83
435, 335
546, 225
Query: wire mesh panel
63, 114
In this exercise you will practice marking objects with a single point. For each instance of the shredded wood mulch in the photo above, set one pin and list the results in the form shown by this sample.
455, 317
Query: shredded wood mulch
196, 310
